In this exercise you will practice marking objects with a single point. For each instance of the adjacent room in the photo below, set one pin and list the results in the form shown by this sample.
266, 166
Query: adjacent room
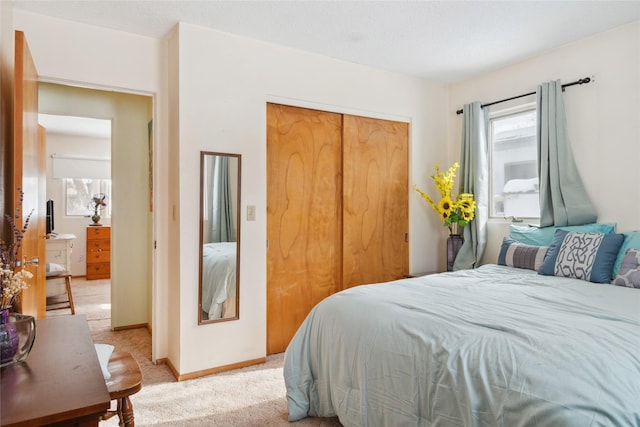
329, 213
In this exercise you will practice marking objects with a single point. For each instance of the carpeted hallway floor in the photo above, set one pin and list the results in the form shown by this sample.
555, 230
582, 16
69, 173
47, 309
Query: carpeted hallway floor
252, 396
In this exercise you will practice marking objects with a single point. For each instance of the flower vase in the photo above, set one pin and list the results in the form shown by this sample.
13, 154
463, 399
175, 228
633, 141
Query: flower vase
8, 338
454, 243
17, 335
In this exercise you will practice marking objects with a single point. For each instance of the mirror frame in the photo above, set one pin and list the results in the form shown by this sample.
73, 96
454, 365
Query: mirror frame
203, 155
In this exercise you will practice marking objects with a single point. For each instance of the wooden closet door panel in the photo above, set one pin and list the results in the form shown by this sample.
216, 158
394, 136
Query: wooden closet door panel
375, 200
304, 193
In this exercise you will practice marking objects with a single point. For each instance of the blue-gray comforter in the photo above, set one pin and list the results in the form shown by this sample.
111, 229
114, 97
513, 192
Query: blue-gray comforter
495, 346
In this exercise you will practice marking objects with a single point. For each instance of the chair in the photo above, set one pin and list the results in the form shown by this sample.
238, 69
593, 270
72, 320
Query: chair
59, 302
126, 379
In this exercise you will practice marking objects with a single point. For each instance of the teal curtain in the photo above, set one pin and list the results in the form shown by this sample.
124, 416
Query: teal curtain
222, 229
563, 198
473, 178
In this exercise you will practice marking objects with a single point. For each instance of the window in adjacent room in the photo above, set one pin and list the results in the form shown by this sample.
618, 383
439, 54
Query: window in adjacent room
78, 194
514, 163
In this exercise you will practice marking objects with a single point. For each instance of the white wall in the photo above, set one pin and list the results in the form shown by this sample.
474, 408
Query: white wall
224, 83
603, 117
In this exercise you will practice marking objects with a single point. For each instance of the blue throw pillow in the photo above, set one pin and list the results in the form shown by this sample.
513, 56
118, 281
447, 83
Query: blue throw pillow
519, 255
631, 241
543, 236
585, 256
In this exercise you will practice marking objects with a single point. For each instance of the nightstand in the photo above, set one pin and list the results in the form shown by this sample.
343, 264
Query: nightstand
58, 250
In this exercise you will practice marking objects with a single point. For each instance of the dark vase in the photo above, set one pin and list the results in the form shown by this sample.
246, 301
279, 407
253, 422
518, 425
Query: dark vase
454, 243
9, 338
17, 336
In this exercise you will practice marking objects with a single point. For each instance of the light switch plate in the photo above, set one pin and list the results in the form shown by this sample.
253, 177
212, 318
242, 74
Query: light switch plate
251, 213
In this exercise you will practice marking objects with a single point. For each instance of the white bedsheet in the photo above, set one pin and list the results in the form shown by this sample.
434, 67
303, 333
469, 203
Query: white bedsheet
218, 277
495, 346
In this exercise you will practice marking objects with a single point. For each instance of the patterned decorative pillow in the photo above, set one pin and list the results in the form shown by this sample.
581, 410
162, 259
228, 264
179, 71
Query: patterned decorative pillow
516, 254
629, 272
585, 256
631, 240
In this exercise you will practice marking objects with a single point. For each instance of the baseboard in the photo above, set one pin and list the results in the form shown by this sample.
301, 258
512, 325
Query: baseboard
124, 328
211, 371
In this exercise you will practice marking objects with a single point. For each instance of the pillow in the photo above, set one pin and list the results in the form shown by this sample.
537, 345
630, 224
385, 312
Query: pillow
585, 256
54, 269
542, 236
629, 273
631, 240
519, 255
104, 354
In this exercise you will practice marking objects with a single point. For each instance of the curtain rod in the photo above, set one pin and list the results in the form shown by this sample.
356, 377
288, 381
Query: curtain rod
577, 82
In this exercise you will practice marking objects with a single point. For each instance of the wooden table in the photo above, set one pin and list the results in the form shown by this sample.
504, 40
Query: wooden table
60, 382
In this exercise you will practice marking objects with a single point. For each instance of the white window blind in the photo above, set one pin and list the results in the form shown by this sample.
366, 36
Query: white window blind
81, 167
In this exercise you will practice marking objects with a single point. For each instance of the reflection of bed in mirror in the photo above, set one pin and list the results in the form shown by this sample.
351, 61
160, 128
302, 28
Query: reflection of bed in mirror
219, 296
219, 280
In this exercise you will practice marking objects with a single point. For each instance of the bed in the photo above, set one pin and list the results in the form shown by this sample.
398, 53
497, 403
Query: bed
494, 346
219, 279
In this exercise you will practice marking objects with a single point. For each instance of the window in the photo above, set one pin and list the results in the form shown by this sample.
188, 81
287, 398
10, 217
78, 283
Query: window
78, 194
514, 163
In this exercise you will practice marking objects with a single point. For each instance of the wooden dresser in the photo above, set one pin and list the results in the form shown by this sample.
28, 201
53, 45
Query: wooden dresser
60, 383
98, 252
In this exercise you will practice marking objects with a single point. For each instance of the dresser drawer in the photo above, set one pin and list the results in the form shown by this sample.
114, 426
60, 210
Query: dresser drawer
98, 245
98, 270
98, 232
98, 257
98, 252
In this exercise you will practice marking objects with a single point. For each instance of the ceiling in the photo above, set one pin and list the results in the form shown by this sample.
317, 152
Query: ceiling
445, 41
80, 126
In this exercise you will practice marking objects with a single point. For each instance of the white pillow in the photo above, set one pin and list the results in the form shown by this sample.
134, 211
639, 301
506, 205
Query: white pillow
104, 354
54, 269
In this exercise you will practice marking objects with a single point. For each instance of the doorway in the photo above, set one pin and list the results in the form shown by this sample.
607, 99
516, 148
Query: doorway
78, 160
131, 216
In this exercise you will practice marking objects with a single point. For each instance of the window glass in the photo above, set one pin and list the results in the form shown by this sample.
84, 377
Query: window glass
79, 192
514, 163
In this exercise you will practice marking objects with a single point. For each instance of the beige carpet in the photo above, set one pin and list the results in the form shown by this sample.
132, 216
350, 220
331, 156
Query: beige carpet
252, 396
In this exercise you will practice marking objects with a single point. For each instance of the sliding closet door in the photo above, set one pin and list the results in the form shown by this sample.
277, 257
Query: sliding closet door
375, 200
304, 207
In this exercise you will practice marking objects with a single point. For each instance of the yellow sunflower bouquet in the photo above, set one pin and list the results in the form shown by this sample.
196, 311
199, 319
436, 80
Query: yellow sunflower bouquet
455, 212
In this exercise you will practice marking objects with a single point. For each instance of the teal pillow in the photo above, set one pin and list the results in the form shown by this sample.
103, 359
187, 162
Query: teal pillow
542, 236
585, 256
631, 240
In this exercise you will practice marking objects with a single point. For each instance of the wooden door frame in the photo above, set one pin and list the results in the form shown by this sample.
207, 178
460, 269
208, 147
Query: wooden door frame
154, 220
